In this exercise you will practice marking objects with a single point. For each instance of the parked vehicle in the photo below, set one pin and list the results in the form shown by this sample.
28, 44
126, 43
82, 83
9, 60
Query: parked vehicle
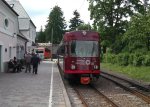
43, 53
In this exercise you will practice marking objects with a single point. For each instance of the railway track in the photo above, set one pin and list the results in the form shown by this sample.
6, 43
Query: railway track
137, 89
75, 102
100, 98
92, 97
88, 96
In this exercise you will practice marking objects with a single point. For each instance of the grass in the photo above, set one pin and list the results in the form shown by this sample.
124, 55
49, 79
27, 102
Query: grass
141, 73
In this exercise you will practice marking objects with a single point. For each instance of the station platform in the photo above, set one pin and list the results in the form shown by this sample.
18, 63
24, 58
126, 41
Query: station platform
44, 89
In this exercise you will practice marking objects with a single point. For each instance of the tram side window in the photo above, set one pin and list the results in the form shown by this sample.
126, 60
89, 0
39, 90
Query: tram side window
73, 47
66, 48
62, 49
95, 49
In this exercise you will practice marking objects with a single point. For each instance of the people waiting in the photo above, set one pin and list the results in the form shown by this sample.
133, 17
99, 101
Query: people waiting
11, 66
14, 65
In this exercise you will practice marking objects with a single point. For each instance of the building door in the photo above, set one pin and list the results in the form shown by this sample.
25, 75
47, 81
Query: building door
0, 57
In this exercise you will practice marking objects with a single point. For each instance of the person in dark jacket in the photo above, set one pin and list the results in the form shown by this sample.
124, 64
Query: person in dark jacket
35, 61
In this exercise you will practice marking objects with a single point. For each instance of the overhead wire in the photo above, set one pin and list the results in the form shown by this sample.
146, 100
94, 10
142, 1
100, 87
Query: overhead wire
82, 4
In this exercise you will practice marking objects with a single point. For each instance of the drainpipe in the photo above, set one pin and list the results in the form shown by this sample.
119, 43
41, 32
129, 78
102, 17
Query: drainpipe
26, 47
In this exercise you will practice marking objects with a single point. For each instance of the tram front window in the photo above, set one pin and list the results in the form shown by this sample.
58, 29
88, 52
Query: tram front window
84, 48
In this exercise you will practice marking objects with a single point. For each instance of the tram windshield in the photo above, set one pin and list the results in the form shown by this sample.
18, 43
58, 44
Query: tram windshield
84, 48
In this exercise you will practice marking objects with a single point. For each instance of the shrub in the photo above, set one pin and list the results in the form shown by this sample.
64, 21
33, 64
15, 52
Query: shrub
146, 61
138, 59
131, 58
122, 59
103, 59
109, 58
113, 59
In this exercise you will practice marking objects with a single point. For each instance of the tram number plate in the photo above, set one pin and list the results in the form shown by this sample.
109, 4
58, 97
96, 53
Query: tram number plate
83, 67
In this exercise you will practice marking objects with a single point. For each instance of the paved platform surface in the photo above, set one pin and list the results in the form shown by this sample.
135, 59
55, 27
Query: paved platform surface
45, 89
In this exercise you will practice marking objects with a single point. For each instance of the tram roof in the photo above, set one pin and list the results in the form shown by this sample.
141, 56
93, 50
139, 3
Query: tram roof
81, 35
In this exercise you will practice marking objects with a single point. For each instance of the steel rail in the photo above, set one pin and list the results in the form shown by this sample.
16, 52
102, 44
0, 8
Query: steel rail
129, 81
104, 96
135, 92
101, 94
80, 96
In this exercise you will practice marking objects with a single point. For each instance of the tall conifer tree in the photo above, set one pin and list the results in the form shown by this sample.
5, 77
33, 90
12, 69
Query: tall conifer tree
75, 21
55, 26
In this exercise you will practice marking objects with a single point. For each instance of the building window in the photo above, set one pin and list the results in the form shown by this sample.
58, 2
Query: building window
6, 22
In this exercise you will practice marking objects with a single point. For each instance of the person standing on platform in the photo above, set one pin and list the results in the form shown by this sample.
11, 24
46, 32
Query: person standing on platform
28, 62
35, 60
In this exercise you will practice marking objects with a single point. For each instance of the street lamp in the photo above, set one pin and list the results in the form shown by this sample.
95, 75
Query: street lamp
145, 4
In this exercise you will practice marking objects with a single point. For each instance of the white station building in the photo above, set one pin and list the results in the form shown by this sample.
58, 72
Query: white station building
17, 32
26, 26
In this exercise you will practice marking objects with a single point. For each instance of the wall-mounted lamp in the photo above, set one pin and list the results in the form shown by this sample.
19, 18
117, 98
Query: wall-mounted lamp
14, 35
5, 49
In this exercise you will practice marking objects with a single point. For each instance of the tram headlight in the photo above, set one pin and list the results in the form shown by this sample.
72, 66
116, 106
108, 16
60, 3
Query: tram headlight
96, 67
73, 66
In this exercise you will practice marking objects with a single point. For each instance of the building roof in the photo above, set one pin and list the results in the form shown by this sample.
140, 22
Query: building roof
22, 36
10, 7
15, 4
33, 23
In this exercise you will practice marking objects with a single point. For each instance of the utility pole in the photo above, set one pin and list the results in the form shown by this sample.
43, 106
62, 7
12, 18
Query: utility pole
148, 41
88, 25
52, 45
145, 4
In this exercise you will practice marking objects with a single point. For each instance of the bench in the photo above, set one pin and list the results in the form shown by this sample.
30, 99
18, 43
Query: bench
10, 67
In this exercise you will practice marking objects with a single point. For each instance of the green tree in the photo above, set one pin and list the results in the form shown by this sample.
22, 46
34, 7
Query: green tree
55, 26
135, 37
41, 36
111, 18
75, 21
84, 27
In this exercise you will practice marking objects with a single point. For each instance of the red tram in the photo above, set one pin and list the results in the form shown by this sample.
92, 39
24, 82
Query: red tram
81, 55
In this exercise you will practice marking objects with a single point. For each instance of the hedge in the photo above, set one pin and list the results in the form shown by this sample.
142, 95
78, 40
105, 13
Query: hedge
125, 59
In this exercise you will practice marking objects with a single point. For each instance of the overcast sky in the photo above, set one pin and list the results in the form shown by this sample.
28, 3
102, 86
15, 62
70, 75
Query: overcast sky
39, 10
